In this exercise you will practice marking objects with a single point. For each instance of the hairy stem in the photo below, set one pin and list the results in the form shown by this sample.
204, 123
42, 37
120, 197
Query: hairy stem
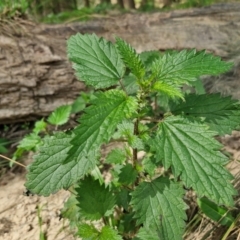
135, 151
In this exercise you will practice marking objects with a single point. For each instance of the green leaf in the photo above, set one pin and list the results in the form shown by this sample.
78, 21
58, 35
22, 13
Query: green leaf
130, 58
99, 122
78, 105
115, 171
126, 129
149, 165
3, 143
127, 175
123, 198
221, 114
199, 86
148, 57
30, 142
147, 233
116, 156
158, 205
135, 142
71, 211
216, 213
87, 232
108, 233
96, 174
184, 66
49, 173
127, 224
193, 154
60, 115
3, 149
40, 126
130, 84
169, 90
96, 60
95, 200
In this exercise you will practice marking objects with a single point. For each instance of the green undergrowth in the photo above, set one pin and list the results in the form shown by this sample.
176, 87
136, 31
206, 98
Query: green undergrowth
58, 119
150, 103
83, 14
27, 9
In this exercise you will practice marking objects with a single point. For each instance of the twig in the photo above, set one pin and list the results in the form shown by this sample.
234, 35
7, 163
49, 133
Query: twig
10, 160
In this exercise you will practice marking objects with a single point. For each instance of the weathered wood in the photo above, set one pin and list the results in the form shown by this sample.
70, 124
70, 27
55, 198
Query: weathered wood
36, 77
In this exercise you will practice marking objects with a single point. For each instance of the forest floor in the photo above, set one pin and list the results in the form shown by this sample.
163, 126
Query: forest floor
20, 215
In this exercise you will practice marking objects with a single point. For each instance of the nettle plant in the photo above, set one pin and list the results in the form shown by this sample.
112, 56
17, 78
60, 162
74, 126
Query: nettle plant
142, 104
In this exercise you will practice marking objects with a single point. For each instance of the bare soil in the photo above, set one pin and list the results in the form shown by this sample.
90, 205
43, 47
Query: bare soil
19, 214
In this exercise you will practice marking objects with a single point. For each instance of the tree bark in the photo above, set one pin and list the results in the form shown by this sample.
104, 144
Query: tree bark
87, 3
120, 3
36, 76
130, 4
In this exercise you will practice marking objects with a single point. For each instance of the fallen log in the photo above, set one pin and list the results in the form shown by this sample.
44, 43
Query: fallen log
36, 76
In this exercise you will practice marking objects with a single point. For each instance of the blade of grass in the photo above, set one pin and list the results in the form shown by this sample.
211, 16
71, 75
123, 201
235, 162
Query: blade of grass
231, 227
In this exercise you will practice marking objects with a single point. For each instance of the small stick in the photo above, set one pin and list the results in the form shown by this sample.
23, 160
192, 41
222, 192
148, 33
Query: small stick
10, 160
